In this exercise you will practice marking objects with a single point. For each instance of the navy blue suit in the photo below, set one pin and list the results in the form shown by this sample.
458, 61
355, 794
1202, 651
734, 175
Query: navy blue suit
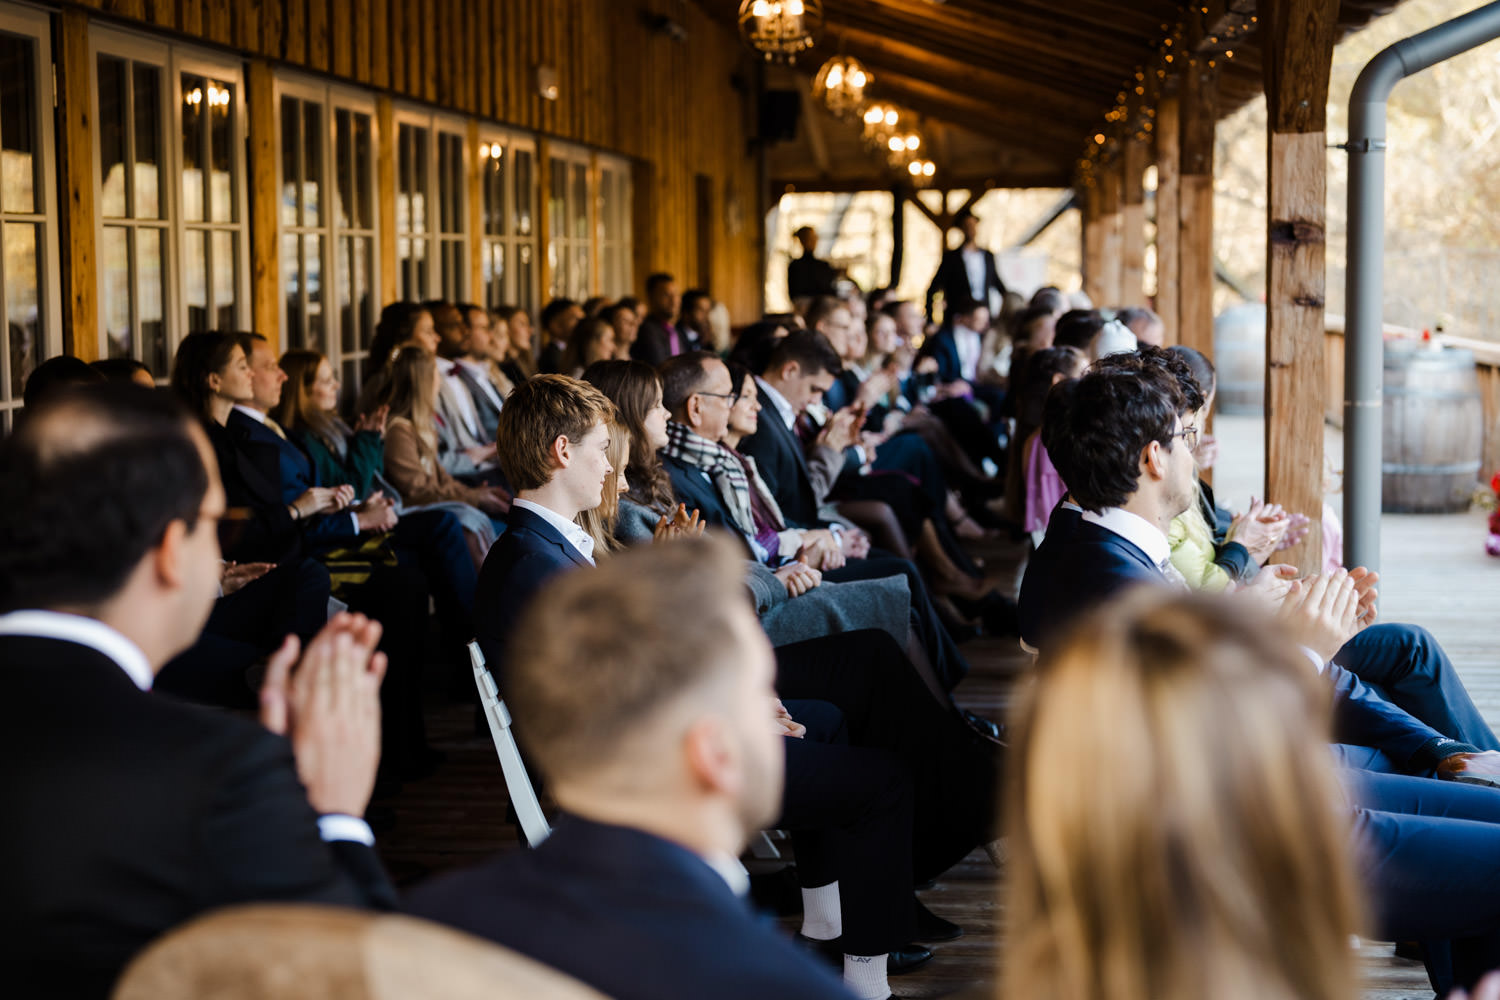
633, 915
782, 463
952, 279
293, 477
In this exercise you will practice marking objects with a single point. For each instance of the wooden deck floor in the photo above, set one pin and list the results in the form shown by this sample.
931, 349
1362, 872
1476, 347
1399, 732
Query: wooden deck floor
1435, 573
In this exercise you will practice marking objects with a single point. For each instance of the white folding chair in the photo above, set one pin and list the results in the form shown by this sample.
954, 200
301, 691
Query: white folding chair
523, 798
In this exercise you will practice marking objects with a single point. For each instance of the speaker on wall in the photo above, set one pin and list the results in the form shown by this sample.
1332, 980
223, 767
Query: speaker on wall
779, 111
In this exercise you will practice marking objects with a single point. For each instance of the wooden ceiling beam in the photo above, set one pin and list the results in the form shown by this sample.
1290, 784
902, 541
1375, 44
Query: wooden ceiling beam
1010, 126
1042, 177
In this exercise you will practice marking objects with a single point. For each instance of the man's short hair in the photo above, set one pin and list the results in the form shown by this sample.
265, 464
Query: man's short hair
963, 305
821, 307
681, 376
537, 413
810, 349
88, 484
1078, 328
691, 297
554, 309
656, 280
1095, 428
1132, 315
1164, 359
54, 375
603, 652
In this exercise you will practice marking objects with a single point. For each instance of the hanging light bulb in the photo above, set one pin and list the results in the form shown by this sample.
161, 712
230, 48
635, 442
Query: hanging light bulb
781, 29
840, 84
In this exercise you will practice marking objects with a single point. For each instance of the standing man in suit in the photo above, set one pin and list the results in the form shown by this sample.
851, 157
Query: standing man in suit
654, 727
658, 337
966, 272
1124, 436
129, 813
808, 276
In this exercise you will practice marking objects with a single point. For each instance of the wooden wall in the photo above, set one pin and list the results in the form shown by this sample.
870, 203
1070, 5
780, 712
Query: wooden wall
677, 109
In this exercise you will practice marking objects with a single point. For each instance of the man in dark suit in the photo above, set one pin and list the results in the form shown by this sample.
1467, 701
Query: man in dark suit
808, 276
967, 272
1122, 439
129, 813
659, 336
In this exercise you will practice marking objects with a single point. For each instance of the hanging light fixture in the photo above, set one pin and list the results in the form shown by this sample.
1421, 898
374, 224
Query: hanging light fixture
840, 84
781, 28
880, 124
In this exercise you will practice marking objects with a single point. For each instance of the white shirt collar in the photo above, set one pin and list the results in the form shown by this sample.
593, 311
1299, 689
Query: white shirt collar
730, 870
88, 632
788, 415
570, 530
1134, 529
251, 412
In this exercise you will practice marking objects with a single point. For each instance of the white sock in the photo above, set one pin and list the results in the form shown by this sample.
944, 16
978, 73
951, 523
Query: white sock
865, 976
821, 919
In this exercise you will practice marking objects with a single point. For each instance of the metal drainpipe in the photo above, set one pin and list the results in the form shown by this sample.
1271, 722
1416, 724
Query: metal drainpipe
1364, 283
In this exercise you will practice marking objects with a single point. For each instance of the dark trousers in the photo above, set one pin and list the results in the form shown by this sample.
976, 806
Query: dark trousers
942, 652
1409, 668
1430, 852
396, 596
978, 439
433, 541
850, 813
886, 706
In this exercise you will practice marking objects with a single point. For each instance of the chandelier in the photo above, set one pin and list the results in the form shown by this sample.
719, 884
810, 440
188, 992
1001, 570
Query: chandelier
781, 28
880, 124
840, 84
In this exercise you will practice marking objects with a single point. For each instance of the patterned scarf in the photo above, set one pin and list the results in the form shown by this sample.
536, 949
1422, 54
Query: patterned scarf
722, 467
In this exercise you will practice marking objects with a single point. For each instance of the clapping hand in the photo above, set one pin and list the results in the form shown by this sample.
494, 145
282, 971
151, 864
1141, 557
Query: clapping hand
678, 524
374, 421
234, 576
329, 709
1488, 989
785, 724
1260, 529
1323, 612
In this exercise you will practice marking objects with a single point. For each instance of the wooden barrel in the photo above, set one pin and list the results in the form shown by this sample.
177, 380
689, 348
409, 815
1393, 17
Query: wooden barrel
1434, 425
1240, 359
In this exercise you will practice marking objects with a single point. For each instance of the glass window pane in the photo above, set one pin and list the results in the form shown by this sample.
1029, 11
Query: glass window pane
151, 297
114, 262
344, 300
343, 196
23, 319
580, 202
312, 178
195, 110
525, 286
226, 260
291, 158
361, 162
312, 259
113, 124
291, 285
494, 173
222, 203
17, 125
523, 193
557, 200
420, 152
195, 278
364, 295
150, 153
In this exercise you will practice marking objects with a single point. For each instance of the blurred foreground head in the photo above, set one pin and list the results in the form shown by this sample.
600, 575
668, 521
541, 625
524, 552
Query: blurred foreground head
1175, 829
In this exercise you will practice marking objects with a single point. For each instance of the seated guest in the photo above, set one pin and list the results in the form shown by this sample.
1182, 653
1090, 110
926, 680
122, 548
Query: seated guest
625, 321
124, 370
1145, 324
1122, 438
1033, 487
411, 446
559, 317
481, 368
129, 813
55, 374
466, 451
1079, 329
309, 413
592, 340
659, 337
958, 348
402, 324
695, 319
517, 361
1170, 868
643, 693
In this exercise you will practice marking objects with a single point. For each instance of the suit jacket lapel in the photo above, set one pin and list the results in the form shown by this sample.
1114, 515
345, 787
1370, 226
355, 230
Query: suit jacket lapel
521, 518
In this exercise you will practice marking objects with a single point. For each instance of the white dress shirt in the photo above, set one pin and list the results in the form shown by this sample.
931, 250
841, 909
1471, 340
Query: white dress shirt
481, 374
126, 655
575, 536
978, 281
261, 418
970, 345
778, 401
459, 400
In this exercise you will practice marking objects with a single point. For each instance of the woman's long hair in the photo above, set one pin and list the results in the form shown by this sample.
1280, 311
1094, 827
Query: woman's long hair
297, 411
600, 522
412, 392
199, 356
393, 329
633, 387
1174, 827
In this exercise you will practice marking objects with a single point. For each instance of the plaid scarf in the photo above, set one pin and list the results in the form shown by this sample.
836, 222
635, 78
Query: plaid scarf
722, 467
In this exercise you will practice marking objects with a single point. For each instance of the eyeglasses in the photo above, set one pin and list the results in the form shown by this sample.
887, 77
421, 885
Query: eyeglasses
733, 397
1189, 436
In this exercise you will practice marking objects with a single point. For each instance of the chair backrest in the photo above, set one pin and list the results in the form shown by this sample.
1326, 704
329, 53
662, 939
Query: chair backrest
523, 798
305, 952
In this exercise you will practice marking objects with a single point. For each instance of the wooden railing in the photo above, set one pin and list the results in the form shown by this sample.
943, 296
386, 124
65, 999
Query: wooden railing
1486, 363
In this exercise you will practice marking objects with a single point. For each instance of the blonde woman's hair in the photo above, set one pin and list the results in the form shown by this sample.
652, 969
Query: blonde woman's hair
412, 392
1175, 829
600, 521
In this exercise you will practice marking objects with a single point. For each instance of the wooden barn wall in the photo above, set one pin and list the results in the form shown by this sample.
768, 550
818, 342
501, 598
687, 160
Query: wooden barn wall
680, 110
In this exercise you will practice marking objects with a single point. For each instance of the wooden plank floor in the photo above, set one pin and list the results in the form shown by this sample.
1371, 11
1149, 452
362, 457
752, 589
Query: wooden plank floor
1435, 574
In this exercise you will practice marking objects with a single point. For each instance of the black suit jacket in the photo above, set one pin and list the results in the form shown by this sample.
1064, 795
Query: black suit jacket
128, 813
653, 344
782, 462
952, 279
808, 276
635, 916
523, 559
259, 528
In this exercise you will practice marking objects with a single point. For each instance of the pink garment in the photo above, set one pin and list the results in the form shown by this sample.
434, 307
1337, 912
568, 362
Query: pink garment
1044, 487
1333, 540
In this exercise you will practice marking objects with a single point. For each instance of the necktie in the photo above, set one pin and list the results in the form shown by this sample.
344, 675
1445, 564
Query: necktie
276, 428
1172, 574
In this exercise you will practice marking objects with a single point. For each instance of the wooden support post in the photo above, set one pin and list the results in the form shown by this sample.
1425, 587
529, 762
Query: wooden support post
544, 220
1196, 209
1132, 223
1111, 247
80, 287
1298, 52
1168, 215
1093, 242
474, 201
265, 251
385, 186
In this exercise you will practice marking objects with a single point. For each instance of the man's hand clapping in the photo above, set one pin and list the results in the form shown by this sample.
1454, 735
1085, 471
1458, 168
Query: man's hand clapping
1322, 612
678, 524
377, 513
798, 578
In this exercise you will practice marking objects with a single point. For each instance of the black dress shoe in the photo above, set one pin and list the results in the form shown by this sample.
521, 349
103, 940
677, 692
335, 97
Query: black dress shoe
994, 732
907, 958
931, 928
